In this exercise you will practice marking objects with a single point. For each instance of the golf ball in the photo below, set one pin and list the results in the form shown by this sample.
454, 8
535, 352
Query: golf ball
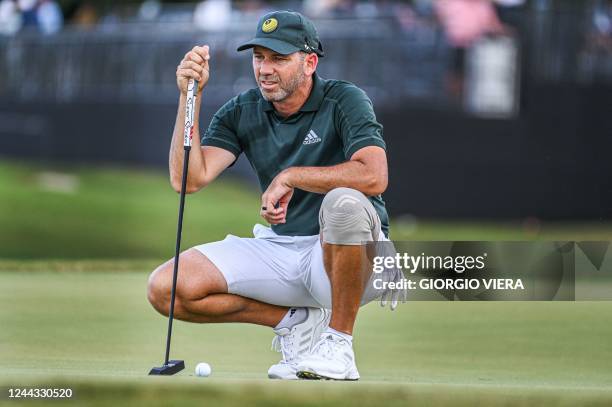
203, 370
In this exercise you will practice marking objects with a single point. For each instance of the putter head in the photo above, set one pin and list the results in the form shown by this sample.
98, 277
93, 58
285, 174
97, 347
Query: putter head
172, 367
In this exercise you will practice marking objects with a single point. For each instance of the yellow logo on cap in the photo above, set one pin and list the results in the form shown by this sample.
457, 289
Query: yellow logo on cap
269, 25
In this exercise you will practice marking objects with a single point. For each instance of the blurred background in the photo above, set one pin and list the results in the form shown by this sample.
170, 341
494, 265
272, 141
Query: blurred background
497, 117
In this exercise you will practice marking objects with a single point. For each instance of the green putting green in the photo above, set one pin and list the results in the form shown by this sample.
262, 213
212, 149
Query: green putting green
85, 324
93, 331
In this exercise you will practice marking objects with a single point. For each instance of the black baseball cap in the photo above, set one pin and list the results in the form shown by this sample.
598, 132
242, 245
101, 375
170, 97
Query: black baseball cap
286, 32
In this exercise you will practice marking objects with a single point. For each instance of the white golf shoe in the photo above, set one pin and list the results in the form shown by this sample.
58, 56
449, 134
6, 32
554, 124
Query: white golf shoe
331, 358
297, 342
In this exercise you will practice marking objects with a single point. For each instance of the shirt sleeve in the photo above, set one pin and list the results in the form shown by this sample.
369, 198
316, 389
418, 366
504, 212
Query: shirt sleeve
356, 122
221, 131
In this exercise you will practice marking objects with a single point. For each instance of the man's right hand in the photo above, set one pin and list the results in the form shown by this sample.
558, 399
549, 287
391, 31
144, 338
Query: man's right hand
193, 66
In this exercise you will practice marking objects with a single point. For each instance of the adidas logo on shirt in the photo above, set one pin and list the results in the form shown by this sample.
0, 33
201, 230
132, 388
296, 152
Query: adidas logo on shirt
311, 138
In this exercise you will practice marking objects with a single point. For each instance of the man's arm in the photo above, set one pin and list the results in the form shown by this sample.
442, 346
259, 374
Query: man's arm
366, 172
205, 163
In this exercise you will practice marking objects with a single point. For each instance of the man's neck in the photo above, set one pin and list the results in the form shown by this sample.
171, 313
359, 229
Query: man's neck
294, 102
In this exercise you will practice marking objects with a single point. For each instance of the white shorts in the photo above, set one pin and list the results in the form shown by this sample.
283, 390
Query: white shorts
275, 269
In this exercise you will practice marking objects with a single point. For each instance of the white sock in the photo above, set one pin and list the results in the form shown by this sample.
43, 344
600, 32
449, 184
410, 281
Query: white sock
343, 335
293, 317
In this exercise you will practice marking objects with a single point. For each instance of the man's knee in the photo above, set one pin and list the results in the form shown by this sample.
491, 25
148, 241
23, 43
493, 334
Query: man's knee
197, 278
159, 287
347, 217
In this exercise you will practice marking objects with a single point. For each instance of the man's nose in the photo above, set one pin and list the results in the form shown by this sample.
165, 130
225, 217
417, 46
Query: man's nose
266, 68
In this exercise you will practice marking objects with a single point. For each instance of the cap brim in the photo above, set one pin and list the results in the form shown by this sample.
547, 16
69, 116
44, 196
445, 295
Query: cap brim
275, 45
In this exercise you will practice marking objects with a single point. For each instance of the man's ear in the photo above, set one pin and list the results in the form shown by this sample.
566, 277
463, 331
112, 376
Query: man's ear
310, 63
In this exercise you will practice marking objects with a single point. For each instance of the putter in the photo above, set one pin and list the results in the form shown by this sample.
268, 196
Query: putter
171, 367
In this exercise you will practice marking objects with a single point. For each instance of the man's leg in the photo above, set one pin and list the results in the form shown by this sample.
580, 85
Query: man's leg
201, 294
215, 283
345, 268
348, 220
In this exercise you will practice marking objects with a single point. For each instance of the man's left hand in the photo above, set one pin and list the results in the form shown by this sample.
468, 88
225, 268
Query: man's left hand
275, 199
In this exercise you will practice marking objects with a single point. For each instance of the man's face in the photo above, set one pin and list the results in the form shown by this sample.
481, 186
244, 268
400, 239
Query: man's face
277, 75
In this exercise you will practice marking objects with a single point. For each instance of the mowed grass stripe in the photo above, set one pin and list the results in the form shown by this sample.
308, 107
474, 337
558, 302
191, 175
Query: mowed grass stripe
113, 213
169, 391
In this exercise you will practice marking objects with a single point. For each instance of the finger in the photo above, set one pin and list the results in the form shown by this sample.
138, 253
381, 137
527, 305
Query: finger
283, 204
188, 73
195, 57
265, 211
273, 212
192, 65
274, 220
394, 299
268, 203
384, 298
275, 215
403, 293
203, 52
276, 211
264, 205
279, 219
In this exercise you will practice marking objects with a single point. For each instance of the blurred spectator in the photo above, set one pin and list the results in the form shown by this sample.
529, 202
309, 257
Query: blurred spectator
45, 15
86, 15
465, 22
596, 52
10, 17
213, 15
28, 12
255, 8
405, 16
149, 10
602, 23
49, 16
328, 8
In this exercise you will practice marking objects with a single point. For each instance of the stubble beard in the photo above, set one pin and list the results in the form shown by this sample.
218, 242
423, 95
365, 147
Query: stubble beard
285, 89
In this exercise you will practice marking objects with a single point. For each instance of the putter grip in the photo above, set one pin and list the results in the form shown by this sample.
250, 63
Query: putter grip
192, 88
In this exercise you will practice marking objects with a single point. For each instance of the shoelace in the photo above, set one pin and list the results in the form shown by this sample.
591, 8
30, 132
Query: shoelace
284, 345
328, 346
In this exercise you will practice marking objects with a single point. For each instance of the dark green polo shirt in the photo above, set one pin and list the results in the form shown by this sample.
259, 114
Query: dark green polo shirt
335, 122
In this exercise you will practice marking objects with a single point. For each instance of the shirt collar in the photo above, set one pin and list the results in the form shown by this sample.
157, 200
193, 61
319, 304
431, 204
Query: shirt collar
316, 95
267, 106
313, 102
